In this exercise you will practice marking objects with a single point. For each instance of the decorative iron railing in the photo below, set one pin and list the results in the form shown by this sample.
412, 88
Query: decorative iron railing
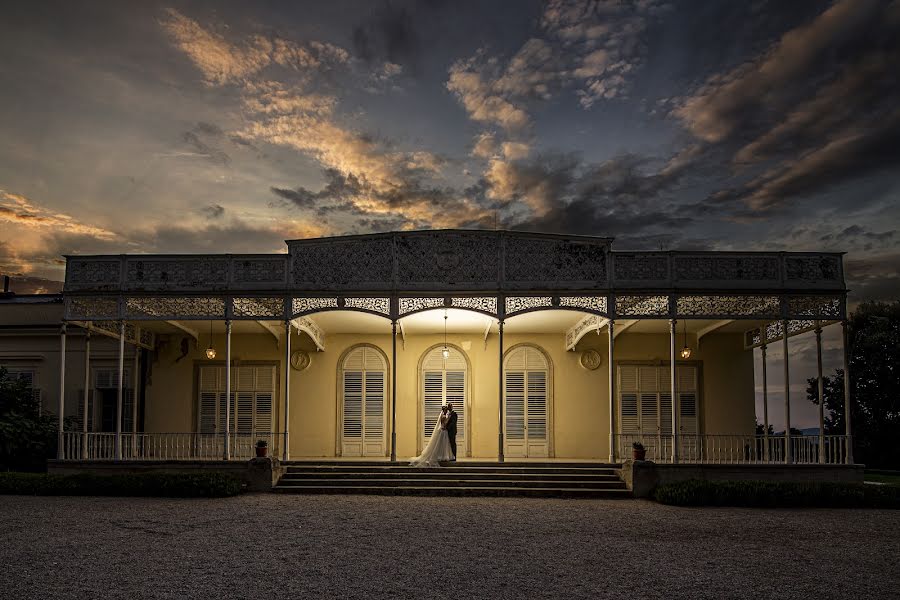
167, 446
737, 449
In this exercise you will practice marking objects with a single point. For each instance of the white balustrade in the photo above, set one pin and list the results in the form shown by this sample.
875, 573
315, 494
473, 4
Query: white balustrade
167, 446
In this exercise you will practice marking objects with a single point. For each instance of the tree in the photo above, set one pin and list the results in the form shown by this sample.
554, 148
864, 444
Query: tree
874, 354
28, 437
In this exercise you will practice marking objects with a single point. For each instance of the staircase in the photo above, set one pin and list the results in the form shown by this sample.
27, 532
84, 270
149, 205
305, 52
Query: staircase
547, 480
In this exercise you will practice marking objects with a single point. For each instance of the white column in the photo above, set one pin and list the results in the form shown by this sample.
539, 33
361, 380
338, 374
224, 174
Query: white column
119, 390
61, 406
135, 397
226, 452
849, 438
787, 396
394, 390
673, 389
286, 453
821, 383
500, 396
612, 391
765, 386
87, 394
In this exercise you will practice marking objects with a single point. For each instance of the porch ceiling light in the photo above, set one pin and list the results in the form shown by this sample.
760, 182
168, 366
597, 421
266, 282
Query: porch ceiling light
686, 351
210, 351
446, 351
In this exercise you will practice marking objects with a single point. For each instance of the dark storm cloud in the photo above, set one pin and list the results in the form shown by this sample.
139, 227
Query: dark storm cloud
390, 34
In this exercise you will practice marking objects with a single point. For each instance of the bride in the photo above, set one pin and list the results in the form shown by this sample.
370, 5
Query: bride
438, 446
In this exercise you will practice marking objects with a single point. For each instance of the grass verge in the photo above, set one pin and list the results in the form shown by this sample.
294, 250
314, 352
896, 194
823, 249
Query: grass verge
200, 485
777, 494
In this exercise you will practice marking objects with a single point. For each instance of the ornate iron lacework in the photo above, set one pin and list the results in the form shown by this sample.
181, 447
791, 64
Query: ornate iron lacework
725, 268
641, 267
93, 273
259, 308
642, 306
457, 257
516, 304
596, 303
147, 338
178, 307
486, 304
206, 272
379, 305
314, 331
812, 268
303, 305
729, 306
111, 327
408, 305
540, 259
92, 308
585, 325
774, 331
820, 307
341, 263
260, 270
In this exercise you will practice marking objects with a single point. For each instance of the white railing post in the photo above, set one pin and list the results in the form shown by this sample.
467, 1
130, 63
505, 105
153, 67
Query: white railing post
120, 390
61, 405
848, 438
87, 394
612, 391
787, 396
285, 452
226, 451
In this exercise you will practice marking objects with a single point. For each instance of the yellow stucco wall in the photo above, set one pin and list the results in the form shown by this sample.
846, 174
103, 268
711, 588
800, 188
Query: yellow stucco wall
579, 397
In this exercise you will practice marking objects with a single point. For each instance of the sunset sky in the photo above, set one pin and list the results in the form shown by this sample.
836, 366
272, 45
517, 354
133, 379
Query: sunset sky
229, 127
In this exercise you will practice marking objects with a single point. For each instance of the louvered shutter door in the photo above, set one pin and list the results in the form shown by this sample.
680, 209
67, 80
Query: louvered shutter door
374, 403
536, 405
649, 387
444, 381
629, 419
208, 409
352, 444
80, 415
515, 414
433, 399
364, 397
263, 415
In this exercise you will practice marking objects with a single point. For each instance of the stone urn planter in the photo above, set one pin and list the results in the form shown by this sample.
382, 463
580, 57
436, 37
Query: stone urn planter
638, 451
262, 449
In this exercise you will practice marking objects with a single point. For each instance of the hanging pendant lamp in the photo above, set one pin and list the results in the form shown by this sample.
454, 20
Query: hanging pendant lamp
446, 351
686, 351
210, 351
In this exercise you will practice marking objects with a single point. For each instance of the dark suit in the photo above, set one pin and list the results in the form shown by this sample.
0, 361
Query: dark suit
451, 430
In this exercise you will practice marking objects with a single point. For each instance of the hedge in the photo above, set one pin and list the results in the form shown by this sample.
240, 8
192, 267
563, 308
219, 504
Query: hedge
777, 494
209, 485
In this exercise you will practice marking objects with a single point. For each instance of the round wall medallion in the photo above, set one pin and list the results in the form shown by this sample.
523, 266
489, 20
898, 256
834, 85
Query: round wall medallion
300, 360
590, 359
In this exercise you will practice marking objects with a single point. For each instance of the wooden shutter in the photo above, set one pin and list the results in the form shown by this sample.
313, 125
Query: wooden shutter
536, 406
364, 395
264, 400
629, 416
526, 398
90, 416
515, 414
687, 399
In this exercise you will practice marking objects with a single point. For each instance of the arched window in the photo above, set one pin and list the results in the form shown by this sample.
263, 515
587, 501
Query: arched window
363, 397
444, 381
527, 403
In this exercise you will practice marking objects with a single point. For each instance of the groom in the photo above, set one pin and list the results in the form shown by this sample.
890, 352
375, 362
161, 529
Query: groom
451, 428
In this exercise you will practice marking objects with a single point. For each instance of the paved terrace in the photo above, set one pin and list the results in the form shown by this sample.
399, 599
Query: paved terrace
382, 547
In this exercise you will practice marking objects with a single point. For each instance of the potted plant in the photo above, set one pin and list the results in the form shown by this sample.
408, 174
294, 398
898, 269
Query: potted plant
262, 448
638, 451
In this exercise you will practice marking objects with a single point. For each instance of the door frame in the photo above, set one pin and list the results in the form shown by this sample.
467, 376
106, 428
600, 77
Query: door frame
420, 398
339, 400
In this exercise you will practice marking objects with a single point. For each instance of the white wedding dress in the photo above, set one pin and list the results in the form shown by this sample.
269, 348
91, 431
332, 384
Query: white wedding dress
436, 450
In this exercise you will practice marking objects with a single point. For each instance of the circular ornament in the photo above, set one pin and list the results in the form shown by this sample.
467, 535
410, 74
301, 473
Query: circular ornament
590, 359
300, 360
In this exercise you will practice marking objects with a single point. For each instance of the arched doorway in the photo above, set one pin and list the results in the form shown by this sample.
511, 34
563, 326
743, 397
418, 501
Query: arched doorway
527, 403
444, 381
362, 402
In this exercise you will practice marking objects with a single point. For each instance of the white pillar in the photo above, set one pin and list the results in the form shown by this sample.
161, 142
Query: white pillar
673, 389
135, 397
87, 394
61, 406
500, 396
612, 391
286, 453
119, 390
821, 393
765, 386
849, 438
787, 396
394, 390
226, 452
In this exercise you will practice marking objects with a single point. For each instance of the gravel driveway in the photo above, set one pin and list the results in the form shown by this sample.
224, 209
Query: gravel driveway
283, 546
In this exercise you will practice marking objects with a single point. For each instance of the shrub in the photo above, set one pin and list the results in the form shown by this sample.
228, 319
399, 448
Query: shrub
777, 494
209, 485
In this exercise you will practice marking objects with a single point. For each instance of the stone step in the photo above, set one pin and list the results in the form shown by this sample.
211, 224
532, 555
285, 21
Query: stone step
450, 482
462, 463
501, 491
449, 469
431, 474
